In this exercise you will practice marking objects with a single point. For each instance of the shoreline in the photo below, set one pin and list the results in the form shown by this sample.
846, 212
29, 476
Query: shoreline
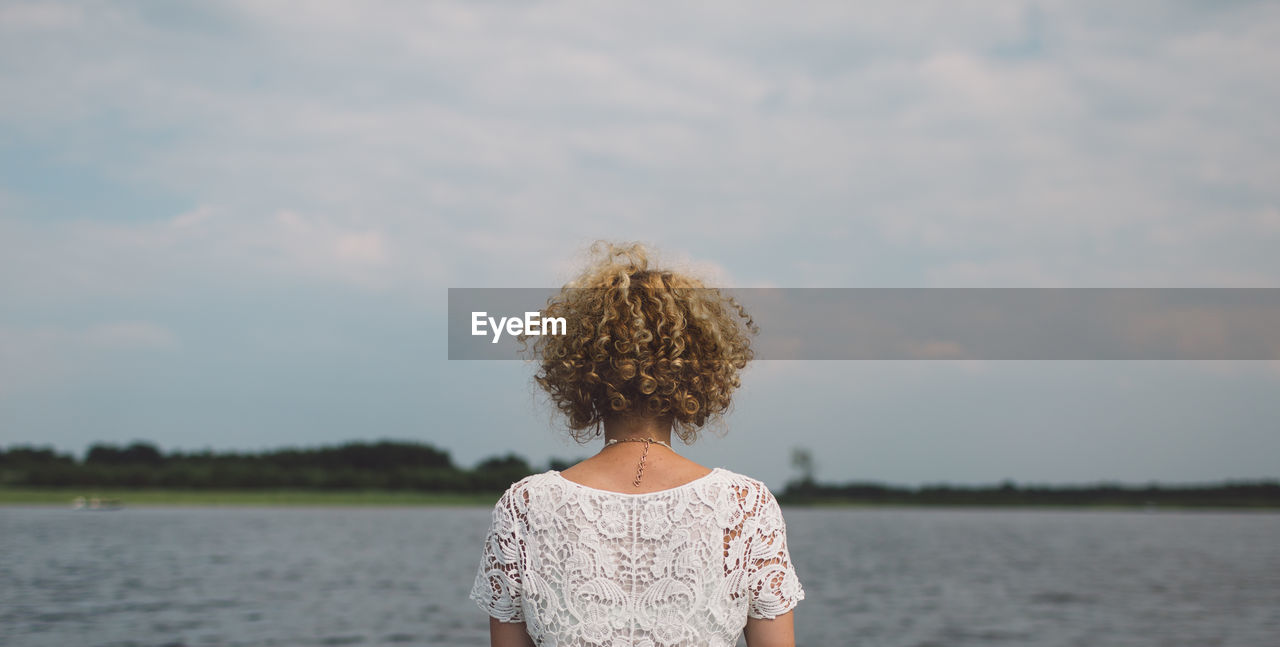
62, 496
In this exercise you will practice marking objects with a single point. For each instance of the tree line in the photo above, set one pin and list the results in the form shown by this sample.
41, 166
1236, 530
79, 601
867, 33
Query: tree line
1230, 494
389, 465
805, 489
402, 465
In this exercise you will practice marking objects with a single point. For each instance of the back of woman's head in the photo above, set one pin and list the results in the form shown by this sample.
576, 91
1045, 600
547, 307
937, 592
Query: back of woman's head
642, 342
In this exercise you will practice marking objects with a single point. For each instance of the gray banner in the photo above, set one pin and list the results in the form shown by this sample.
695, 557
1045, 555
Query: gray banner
940, 323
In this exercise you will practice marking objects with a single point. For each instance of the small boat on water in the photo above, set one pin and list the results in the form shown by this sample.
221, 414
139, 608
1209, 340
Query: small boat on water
96, 503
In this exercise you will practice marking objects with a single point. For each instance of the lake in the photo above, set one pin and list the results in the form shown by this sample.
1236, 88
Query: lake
941, 577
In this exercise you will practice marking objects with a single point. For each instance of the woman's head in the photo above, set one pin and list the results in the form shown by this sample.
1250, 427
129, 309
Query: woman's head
641, 342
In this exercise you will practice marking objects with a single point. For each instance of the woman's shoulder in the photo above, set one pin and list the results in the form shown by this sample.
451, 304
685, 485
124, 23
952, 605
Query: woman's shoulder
747, 494
745, 482
519, 491
746, 490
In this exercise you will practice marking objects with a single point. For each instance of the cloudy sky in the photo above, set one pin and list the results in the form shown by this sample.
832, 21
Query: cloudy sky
233, 224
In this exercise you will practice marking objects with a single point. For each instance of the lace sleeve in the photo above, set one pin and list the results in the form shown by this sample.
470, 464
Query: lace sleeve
775, 588
497, 585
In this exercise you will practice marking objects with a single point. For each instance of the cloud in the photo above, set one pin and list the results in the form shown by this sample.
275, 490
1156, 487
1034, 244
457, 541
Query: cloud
87, 258
230, 162
33, 357
942, 137
126, 335
34, 16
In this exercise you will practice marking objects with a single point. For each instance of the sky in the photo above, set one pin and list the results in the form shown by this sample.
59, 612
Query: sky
233, 225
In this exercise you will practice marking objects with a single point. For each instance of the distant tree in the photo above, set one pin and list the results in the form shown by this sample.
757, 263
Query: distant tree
141, 453
497, 472
509, 462
388, 454
802, 461
102, 454
137, 453
383, 455
24, 455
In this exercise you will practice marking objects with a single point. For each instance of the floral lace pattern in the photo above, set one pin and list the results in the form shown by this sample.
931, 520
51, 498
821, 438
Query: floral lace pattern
685, 566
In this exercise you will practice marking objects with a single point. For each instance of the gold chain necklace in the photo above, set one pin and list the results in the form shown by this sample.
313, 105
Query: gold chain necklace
647, 442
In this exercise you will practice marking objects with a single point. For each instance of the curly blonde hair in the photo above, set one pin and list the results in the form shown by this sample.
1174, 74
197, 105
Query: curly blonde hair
641, 342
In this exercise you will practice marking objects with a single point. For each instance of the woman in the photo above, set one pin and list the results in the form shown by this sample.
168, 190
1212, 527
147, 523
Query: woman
637, 545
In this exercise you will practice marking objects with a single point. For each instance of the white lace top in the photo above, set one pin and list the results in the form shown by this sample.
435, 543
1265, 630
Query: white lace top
685, 566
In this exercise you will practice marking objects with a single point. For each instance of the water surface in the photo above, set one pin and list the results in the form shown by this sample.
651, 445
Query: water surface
400, 576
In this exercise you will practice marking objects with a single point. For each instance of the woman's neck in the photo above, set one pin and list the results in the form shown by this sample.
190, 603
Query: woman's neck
623, 428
